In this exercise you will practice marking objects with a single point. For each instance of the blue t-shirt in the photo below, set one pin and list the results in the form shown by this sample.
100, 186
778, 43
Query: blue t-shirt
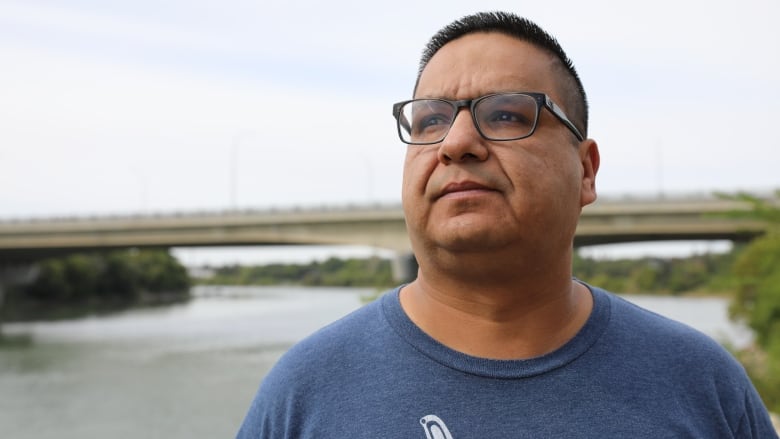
628, 373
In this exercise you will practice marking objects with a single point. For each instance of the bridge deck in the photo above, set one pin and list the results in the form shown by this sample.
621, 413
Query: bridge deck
607, 221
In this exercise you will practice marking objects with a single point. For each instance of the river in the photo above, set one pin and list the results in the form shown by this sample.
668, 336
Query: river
190, 370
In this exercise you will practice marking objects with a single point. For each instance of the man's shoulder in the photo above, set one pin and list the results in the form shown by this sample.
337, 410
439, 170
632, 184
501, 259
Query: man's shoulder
680, 360
629, 316
663, 340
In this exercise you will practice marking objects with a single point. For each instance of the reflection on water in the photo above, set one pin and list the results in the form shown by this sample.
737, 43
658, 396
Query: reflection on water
189, 370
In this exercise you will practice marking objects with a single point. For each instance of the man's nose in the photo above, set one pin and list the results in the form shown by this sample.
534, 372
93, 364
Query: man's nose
463, 141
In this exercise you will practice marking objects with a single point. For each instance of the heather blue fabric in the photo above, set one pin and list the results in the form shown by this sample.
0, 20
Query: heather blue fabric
628, 373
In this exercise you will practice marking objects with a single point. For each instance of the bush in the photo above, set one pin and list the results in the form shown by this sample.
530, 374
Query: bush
756, 277
97, 279
334, 272
757, 299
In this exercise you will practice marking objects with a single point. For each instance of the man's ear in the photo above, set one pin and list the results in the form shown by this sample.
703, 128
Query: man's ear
590, 159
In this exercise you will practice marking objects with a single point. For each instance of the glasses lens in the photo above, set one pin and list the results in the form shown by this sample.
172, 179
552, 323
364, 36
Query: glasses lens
506, 116
425, 120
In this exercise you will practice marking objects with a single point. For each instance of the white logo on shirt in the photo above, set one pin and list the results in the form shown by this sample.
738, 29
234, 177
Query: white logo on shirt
435, 427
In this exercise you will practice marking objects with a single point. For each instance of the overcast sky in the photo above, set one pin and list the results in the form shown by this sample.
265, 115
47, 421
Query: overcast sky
168, 105
149, 106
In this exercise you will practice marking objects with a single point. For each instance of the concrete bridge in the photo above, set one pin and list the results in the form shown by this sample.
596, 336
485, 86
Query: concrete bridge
607, 221
22, 242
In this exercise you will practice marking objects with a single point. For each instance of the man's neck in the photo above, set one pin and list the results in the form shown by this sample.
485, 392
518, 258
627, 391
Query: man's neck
508, 320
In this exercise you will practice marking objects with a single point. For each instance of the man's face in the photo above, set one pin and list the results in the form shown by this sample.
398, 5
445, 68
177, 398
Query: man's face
471, 194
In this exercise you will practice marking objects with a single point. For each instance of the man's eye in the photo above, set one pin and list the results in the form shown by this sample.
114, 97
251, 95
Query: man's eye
507, 117
433, 120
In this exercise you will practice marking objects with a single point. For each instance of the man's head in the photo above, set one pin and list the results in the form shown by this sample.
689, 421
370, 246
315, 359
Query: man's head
574, 97
505, 179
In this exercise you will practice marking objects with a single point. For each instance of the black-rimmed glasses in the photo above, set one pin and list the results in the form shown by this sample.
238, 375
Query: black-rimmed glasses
498, 116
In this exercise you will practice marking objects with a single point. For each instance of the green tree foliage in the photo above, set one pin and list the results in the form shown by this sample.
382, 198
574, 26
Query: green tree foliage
763, 209
158, 272
756, 271
757, 298
675, 276
374, 272
756, 277
118, 276
73, 278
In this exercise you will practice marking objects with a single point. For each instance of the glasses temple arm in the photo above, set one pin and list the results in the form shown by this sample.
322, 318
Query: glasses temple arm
558, 113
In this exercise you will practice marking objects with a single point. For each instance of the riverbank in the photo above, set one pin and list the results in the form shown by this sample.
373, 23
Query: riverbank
97, 283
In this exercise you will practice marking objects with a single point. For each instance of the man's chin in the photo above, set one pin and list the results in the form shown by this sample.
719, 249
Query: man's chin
470, 239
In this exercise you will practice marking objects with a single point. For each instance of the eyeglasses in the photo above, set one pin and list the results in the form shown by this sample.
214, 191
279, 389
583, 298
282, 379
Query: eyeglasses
499, 116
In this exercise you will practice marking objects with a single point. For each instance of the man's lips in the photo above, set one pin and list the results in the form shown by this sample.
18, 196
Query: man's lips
465, 186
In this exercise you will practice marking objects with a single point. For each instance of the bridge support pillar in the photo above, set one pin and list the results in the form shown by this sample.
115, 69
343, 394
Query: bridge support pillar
404, 268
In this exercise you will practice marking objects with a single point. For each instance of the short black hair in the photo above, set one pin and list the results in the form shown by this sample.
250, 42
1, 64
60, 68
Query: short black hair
575, 100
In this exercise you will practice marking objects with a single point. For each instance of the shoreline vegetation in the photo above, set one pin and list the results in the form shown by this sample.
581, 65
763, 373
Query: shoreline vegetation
84, 284
103, 282
333, 272
88, 283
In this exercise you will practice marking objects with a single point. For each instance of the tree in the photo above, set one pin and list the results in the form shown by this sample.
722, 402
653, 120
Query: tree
757, 299
81, 281
756, 273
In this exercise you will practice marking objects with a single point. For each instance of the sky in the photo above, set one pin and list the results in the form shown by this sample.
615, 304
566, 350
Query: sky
172, 105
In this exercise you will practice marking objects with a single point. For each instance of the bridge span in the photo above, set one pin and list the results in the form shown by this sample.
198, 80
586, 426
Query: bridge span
605, 222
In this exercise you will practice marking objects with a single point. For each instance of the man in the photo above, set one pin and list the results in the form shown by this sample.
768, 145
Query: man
495, 339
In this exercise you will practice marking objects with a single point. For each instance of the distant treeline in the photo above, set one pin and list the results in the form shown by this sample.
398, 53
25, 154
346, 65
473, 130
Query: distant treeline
706, 273
87, 282
701, 273
371, 272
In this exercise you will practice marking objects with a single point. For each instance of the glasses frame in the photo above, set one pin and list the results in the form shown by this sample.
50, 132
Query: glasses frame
542, 100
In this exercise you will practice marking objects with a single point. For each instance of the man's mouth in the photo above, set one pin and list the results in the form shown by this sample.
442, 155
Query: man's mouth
461, 187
